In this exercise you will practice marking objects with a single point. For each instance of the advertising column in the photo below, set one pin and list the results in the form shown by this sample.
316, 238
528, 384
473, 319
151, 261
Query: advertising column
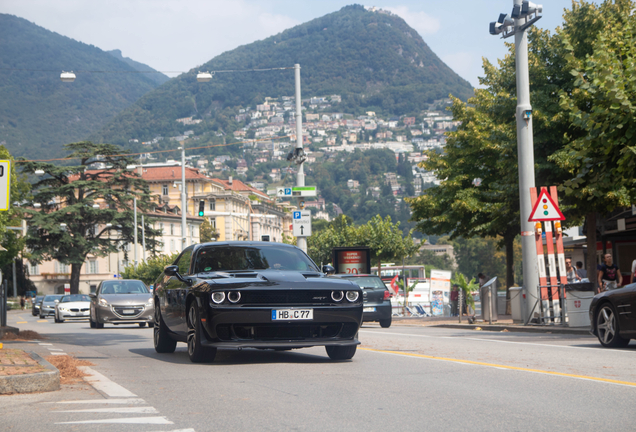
440, 288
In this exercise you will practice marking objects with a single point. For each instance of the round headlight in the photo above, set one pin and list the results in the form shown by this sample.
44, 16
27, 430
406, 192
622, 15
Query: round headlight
218, 297
234, 296
352, 296
103, 302
337, 295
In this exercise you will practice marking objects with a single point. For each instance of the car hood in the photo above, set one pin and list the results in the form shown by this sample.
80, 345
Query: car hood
126, 299
78, 304
278, 279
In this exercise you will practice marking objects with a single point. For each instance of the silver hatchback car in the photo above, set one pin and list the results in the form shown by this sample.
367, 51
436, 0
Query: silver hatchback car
122, 301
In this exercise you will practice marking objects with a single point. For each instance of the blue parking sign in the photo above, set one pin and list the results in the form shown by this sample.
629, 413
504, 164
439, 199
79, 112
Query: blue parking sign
296, 215
288, 191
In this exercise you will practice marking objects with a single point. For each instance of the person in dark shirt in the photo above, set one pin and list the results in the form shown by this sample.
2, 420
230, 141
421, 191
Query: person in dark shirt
609, 275
580, 270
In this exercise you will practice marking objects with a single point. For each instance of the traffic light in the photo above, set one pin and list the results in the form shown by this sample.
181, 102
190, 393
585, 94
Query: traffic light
201, 208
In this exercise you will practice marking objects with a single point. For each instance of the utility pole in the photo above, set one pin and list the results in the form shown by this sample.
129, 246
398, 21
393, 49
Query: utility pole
299, 153
184, 197
135, 223
143, 238
524, 15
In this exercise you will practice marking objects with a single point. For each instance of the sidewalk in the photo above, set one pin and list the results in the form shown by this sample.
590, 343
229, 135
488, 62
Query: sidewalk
504, 323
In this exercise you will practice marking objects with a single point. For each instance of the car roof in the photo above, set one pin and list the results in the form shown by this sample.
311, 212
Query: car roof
245, 243
347, 275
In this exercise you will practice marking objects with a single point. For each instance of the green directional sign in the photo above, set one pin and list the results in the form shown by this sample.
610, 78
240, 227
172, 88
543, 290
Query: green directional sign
304, 191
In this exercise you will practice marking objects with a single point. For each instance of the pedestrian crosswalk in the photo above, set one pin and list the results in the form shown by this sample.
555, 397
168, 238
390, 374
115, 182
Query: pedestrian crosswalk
119, 406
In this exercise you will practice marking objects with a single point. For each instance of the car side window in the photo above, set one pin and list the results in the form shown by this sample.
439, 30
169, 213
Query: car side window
184, 262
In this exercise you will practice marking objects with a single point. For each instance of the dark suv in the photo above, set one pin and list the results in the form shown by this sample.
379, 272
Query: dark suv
376, 297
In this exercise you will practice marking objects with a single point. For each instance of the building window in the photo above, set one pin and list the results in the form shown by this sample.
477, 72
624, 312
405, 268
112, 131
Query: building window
93, 267
213, 222
171, 245
171, 229
161, 227
212, 205
34, 269
61, 268
164, 189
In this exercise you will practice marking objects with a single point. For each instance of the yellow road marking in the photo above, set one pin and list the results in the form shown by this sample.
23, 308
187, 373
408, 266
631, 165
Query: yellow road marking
21, 322
585, 377
42, 321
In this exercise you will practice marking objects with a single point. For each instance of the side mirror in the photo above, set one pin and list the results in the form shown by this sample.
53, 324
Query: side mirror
328, 269
92, 296
56, 301
171, 270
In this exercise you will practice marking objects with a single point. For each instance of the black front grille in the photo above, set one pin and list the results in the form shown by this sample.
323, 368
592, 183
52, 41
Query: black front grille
128, 311
264, 332
292, 297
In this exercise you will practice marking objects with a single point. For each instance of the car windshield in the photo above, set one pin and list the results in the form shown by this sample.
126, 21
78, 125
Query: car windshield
51, 298
124, 287
242, 258
75, 298
367, 281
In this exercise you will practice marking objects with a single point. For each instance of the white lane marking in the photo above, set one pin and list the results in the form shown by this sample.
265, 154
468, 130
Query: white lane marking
121, 410
55, 349
179, 430
499, 341
128, 420
45, 344
131, 401
58, 353
103, 384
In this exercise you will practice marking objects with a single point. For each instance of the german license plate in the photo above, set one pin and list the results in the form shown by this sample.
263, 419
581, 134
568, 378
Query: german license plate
292, 314
368, 309
128, 311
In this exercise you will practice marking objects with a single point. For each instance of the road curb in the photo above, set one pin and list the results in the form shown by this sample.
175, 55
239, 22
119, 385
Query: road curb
520, 329
29, 383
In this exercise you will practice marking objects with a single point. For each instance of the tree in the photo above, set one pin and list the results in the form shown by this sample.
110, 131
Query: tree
150, 270
601, 161
68, 226
207, 232
10, 240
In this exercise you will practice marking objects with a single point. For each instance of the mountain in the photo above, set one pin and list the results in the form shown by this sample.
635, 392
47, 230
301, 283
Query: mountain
38, 112
373, 59
157, 77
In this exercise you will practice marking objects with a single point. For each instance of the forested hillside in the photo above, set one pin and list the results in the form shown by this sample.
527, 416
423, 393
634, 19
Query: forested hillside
38, 112
374, 60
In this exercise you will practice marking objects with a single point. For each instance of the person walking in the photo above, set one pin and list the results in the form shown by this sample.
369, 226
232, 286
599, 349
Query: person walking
609, 275
22, 302
580, 270
570, 272
454, 297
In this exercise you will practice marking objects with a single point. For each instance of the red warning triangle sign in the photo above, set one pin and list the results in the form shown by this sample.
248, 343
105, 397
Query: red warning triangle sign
545, 209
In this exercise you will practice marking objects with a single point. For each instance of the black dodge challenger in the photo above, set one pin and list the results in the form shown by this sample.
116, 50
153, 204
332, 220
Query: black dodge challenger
253, 294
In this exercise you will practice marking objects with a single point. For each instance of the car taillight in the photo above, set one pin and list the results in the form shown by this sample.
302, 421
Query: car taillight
387, 294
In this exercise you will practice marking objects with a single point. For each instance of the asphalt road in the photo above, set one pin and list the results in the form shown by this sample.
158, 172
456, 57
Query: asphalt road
401, 378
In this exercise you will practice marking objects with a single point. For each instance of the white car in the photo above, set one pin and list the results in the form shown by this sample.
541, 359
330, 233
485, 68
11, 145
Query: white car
73, 307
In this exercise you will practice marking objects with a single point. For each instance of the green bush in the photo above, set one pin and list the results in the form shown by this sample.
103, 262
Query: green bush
151, 269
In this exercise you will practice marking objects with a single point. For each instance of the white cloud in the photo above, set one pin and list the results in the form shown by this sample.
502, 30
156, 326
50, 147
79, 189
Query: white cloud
424, 23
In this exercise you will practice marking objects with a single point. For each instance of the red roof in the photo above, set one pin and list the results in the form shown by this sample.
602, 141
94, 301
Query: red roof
171, 173
239, 186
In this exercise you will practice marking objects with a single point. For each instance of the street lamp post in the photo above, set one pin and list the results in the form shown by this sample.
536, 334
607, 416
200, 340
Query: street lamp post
299, 153
524, 15
184, 198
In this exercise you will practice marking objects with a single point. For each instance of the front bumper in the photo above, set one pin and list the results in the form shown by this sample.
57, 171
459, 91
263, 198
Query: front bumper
46, 311
119, 314
82, 315
243, 327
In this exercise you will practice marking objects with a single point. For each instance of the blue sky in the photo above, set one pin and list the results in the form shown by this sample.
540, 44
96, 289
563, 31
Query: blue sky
171, 35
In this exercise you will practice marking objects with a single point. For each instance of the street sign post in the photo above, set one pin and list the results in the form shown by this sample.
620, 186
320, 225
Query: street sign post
5, 184
301, 226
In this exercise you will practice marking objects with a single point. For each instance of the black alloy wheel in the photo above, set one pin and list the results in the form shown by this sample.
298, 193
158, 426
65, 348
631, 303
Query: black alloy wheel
341, 352
607, 328
196, 351
162, 340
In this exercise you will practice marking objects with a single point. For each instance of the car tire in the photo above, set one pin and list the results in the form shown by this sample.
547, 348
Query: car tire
57, 320
162, 340
196, 351
341, 352
142, 324
607, 328
385, 323
97, 324
151, 325
91, 322
42, 316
